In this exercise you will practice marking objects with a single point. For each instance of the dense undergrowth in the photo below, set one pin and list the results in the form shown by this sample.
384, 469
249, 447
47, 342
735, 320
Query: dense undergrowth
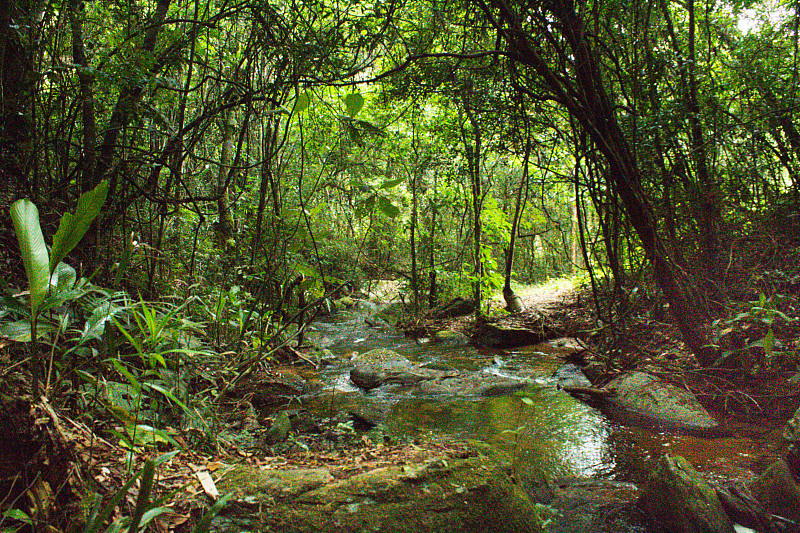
131, 386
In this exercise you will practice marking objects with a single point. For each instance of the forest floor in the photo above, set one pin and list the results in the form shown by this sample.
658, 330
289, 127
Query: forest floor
761, 398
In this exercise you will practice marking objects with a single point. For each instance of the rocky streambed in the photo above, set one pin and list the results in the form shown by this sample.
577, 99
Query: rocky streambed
532, 457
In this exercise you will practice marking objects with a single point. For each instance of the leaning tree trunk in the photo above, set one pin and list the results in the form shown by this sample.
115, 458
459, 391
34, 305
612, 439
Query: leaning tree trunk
585, 97
513, 301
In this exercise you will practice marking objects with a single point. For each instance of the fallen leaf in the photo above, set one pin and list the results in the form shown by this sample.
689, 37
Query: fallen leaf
208, 484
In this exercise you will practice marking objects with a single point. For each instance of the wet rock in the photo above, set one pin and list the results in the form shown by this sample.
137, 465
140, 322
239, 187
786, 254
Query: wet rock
321, 357
454, 308
372, 377
777, 491
437, 495
594, 506
642, 394
594, 370
370, 411
681, 501
792, 434
380, 366
372, 369
499, 336
571, 347
451, 337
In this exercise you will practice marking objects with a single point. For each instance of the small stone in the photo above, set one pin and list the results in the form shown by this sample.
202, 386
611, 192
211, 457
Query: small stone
279, 430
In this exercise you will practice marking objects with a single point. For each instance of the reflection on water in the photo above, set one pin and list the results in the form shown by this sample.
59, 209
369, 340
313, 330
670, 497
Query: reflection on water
559, 436
540, 428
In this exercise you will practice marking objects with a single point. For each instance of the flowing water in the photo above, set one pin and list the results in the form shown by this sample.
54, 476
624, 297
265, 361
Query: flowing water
541, 428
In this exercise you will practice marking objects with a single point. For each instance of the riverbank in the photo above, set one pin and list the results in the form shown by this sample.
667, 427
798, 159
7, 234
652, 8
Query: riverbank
562, 459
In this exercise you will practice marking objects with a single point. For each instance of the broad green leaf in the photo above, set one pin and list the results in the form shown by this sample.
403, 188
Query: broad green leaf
20, 331
74, 226
389, 184
303, 101
96, 324
33, 249
387, 207
353, 102
18, 514
63, 278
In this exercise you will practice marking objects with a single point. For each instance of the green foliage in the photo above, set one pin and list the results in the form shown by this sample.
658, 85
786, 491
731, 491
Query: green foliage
353, 103
74, 226
25, 216
49, 273
749, 335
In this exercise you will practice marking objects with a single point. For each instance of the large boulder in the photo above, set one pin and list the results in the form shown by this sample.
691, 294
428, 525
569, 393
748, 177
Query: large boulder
777, 491
371, 369
500, 336
640, 394
454, 308
681, 501
792, 434
377, 367
469, 494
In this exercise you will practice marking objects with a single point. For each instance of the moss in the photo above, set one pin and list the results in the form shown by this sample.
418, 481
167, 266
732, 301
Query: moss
469, 495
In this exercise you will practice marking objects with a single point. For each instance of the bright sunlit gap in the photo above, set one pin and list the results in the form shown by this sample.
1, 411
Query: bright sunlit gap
753, 19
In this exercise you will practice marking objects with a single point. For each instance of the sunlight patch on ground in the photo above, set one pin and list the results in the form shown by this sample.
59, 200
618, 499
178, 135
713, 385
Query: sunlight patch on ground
542, 293
549, 286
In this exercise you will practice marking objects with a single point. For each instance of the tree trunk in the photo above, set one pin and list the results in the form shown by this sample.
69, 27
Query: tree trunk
586, 99
432, 288
413, 240
514, 302
473, 151
16, 92
128, 97
225, 221
86, 84
710, 216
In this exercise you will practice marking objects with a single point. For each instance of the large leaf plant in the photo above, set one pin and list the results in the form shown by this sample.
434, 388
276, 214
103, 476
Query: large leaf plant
46, 273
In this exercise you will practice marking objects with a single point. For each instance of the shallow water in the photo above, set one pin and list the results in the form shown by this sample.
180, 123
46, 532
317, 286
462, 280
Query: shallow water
542, 429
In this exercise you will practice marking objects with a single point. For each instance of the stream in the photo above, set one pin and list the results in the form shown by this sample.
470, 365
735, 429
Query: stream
544, 430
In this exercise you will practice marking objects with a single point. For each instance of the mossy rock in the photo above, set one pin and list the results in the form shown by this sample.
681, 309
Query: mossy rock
372, 369
644, 395
777, 491
681, 501
392, 312
450, 337
438, 495
502, 336
344, 303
